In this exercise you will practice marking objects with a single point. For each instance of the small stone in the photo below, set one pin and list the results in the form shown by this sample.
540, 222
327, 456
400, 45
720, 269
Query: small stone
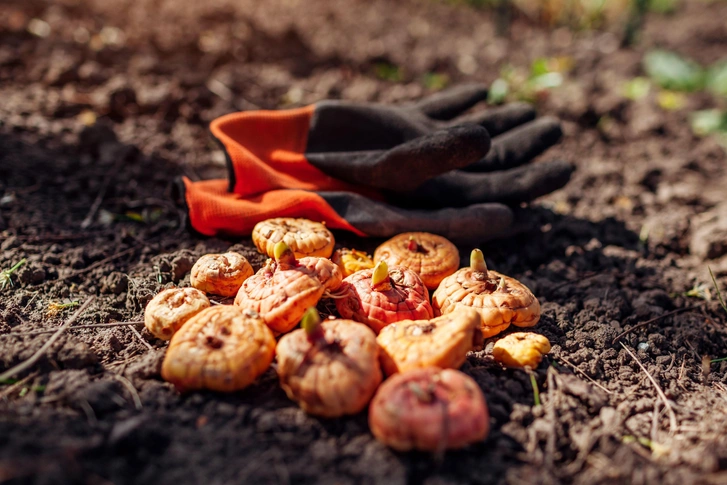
182, 264
709, 236
115, 283
148, 367
31, 275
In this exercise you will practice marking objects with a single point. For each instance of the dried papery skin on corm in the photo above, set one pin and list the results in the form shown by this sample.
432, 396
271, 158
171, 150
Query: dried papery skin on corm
351, 261
431, 256
281, 292
402, 297
304, 237
171, 308
222, 348
440, 342
429, 409
220, 274
334, 375
501, 300
521, 350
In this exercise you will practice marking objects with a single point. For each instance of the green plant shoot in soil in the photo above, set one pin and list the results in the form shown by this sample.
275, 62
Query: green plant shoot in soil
5, 275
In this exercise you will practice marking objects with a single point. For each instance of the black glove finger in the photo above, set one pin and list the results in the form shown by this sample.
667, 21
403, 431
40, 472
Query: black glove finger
459, 189
452, 102
410, 164
499, 119
338, 126
520, 145
467, 225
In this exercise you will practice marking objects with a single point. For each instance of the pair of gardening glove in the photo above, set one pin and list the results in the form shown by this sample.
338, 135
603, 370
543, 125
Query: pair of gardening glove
380, 170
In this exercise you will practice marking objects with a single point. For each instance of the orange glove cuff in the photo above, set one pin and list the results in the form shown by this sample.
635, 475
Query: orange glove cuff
266, 151
215, 211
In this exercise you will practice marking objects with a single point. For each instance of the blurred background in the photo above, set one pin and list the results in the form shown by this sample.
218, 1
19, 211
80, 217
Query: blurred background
640, 84
166, 61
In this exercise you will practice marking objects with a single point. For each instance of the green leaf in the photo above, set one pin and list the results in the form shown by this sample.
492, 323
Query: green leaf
498, 91
548, 80
435, 81
671, 71
663, 6
671, 100
708, 121
134, 216
637, 88
539, 67
717, 78
388, 72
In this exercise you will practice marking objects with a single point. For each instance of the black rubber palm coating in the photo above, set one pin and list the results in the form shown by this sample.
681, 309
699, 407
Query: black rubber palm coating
520, 145
452, 102
499, 119
469, 225
338, 126
410, 164
460, 189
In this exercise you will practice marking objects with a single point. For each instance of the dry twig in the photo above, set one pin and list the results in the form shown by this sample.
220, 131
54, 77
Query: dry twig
14, 387
672, 416
656, 319
593, 381
23, 366
132, 390
92, 266
136, 332
572, 282
92, 325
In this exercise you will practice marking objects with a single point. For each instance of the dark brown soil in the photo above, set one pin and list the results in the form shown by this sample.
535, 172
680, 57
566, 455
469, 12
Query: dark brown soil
621, 245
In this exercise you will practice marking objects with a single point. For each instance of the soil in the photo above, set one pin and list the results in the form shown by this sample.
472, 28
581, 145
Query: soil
96, 123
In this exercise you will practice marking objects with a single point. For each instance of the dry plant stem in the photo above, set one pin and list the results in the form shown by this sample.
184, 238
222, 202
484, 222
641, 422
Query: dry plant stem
62, 237
716, 287
649, 322
94, 325
92, 266
23, 366
14, 387
132, 390
672, 416
550, 410
570, 282
594, 382
136, 332
655, 415
88, 220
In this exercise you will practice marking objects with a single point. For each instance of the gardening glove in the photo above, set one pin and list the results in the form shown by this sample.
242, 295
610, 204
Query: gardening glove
380, 170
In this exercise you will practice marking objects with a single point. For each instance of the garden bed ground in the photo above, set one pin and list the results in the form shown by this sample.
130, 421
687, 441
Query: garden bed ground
619, 246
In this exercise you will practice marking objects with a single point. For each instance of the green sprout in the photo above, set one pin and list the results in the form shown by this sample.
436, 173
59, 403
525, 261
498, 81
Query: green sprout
6, 274
536, 392
388, 72
674, 72
435, 81
637, 88
701, 291
717, 78
498, 91
716, 287
721, 302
